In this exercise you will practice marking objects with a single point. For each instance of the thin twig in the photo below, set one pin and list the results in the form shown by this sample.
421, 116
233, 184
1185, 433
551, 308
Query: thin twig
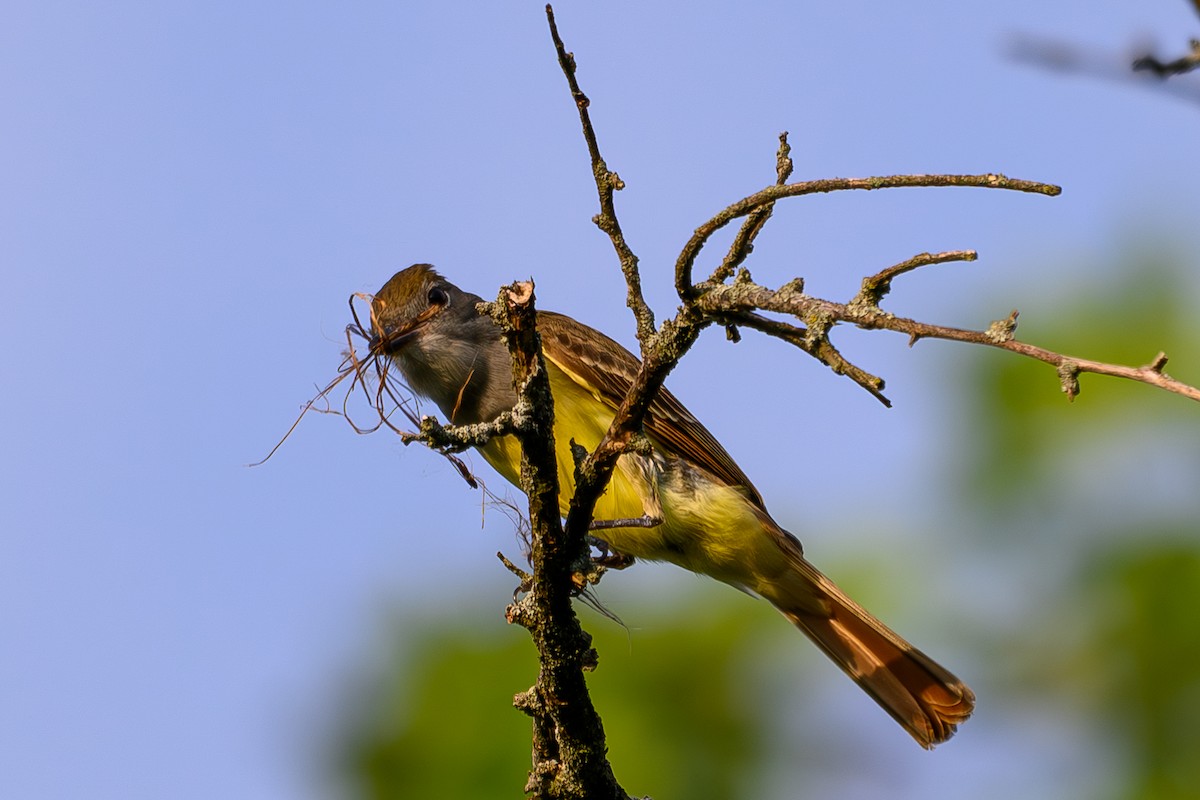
743, 243
767, 196
819, 348
1178, 66
607, 183
747, 297
1087, 61
878, 285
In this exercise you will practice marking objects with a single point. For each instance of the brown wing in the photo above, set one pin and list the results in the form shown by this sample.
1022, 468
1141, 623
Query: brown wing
607, 369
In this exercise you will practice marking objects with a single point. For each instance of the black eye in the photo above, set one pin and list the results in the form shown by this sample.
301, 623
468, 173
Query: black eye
438, 297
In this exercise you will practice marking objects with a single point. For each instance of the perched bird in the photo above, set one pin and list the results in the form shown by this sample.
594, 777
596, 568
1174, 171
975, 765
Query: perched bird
713, 520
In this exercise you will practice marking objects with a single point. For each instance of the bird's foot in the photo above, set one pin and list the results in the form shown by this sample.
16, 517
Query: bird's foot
608, 558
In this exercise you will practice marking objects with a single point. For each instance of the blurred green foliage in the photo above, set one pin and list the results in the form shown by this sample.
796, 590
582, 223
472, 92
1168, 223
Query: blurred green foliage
1024, 440
1149, 644
1105, 489
1089, 508
445, 727
676, 721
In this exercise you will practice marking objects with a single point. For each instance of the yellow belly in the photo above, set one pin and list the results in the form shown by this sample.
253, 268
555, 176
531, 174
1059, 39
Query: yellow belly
582, 417
708, 526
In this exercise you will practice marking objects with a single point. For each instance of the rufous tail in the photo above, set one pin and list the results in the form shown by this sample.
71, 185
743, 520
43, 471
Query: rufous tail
928, 701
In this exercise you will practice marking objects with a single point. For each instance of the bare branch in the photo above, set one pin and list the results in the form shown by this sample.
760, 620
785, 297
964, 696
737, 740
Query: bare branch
878, 285
1178, 66
1075, 59
767, 196
743, 243
607, 183
449, 439
569, 751
819, 348
746, 297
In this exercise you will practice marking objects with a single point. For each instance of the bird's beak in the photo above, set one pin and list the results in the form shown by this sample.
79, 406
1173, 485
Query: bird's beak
390, 339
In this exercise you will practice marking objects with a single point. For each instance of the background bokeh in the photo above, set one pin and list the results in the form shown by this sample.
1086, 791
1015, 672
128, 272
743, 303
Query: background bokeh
189, 193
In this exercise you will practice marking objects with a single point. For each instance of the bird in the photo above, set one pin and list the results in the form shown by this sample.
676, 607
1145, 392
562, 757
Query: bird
710, 518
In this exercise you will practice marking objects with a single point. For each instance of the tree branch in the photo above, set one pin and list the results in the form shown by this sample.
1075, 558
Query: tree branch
1178, 66
745, 297
1068, 57
607, 183
768, 196
743, 243
569, 750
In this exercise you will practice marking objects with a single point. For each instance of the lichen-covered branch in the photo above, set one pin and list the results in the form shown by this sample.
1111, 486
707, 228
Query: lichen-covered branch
569, 753
746, 297
448, 439
771, 194
819, 347
875, 287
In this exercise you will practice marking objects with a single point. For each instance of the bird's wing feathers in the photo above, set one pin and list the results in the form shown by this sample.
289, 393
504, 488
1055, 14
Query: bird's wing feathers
607, 370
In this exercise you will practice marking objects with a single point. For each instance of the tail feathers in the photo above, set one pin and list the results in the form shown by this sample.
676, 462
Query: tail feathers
923, 697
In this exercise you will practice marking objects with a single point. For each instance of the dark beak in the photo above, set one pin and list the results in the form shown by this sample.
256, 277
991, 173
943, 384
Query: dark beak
393, 337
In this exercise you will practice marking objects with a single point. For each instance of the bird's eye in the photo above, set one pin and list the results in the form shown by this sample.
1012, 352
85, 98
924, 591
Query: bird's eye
438, 297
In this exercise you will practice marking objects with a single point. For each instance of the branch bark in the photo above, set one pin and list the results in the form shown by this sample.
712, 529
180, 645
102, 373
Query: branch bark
1176, 66
607, 184
569, 753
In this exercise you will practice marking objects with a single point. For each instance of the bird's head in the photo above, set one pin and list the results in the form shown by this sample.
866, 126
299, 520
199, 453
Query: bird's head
411, 305
445, 348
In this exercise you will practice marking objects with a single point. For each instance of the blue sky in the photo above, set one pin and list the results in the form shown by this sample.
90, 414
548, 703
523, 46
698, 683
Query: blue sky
190, 191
